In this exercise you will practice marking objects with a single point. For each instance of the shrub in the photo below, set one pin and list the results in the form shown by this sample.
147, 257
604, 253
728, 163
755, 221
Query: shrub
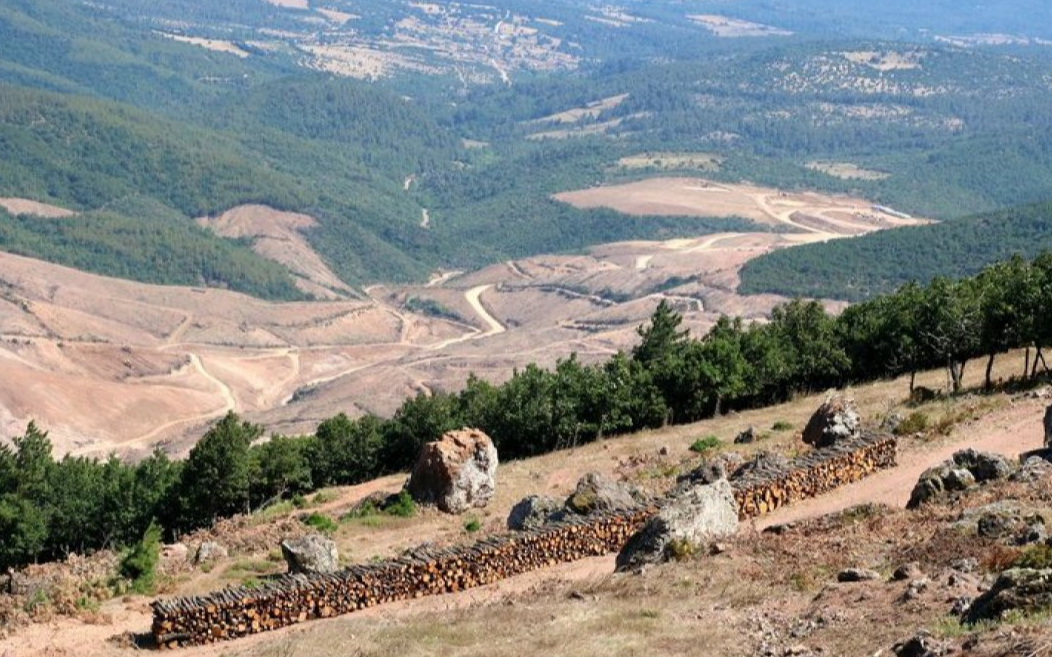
1034, 556
915, 422
472, 525
320, 522
681, 549
140, 563
403, 507
704, 445
782, 425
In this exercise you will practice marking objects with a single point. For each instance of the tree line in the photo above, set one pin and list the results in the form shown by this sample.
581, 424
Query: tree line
49, 507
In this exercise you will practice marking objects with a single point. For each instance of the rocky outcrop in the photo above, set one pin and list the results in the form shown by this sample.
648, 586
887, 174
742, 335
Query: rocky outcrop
534, 512
701, 514
922, 644
595, 492
746, 437
836, 420
209, 551
1016, 589
311, 554
456, 472
964, 470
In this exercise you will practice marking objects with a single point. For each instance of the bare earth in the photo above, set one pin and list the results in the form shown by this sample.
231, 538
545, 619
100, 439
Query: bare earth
17, 206
112, 365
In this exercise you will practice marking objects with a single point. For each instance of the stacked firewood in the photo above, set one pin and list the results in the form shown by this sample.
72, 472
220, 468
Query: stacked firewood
813, 474
239, 611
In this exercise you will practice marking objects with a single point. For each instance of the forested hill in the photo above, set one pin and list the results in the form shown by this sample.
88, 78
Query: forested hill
860, 268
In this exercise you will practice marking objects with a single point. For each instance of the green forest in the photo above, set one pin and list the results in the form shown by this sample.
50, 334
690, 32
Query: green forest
50, 507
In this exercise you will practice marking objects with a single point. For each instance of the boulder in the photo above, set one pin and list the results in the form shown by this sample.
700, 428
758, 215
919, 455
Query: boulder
456, 472
534, 512
911, 570
837, 419
746, 437
963, 471
1034, 468
857, 575
701, 514
921, 644
209, 551
1048, 427
312, 553
1016, 589
595, 492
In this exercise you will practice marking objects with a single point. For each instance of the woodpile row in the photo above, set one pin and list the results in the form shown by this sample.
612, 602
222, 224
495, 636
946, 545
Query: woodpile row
238, 611
766, 489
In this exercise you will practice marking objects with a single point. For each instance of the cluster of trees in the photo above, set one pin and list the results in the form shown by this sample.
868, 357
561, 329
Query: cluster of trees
50, 507
877, 263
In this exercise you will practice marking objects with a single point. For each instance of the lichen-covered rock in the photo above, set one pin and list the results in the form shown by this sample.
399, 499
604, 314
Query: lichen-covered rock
760, 462
456, 472
534, 512
595, 492
312, 553
1034, 468
857, 575
921, 644
1017, 589
209, 551
701, 514
835, 420
964, 470
745, 437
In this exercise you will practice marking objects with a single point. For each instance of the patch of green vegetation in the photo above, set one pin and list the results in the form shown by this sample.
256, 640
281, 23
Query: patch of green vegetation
321, 523
1034, 556
705, 445
782, 425
915, 422
472, 525
681, 549
430, 308
140, 563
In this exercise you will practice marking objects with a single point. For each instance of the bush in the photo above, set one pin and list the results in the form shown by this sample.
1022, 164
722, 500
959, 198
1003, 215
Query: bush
140, 564
705, 445
782, 425
1035, 556
680, 549
915, 422
403, 507
472, 525
320, 522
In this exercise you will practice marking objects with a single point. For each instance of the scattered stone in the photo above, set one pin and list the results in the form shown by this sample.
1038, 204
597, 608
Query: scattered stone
961, 604
701, 514
921, 644
916, 588
1016, 589
746, 437
857, 575
664, 451
985, 466
760, 462
965, 564
906, 571
534, 512
312, 553
892, 421
456, 472
595, 492
210, 551
837, 419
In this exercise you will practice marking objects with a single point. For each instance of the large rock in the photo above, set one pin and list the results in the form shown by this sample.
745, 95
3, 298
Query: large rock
209, 551
1017, 589
964, 470
835, 420
921, 644
312, 553
595, 492
761, 462
701, 514
534, 512
456, 472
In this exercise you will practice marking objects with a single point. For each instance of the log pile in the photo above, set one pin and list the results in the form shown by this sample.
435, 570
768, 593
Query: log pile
239, 611
764, 490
